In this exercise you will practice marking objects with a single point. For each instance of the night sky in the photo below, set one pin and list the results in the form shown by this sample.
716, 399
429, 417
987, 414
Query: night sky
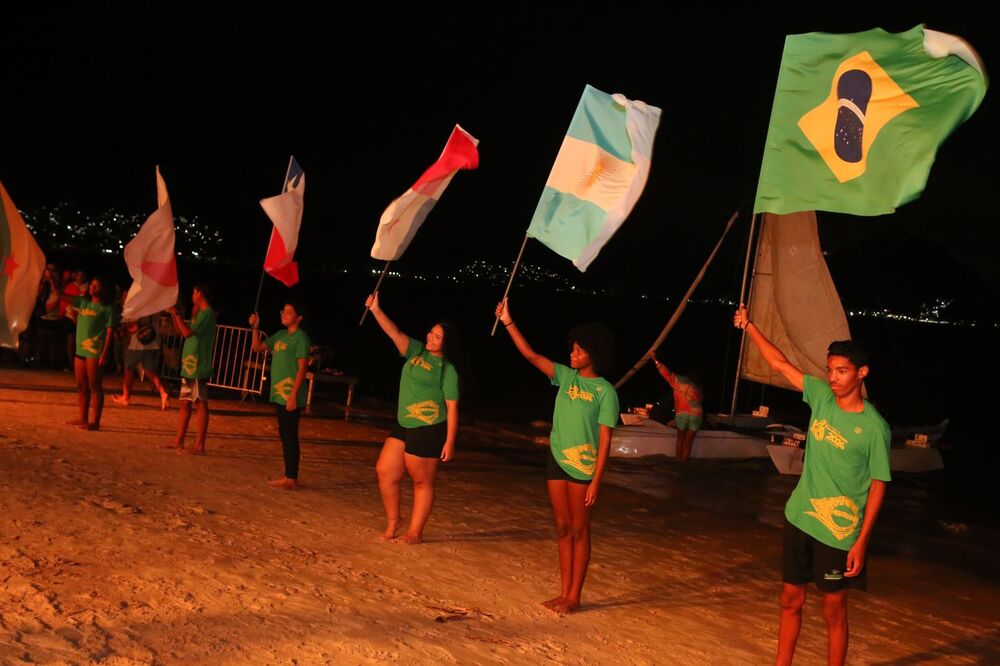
365, 99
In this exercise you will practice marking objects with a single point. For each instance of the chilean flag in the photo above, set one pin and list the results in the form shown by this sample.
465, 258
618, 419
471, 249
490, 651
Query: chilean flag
285, 212
403, 217
152, 262
21, 266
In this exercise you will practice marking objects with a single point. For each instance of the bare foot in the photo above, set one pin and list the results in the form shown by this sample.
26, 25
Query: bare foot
391, 527
76, 422
120, 400
286, 484
190, 452
277, 482
164, 401
409, 539
565, 607
552, 602
88, 426
172, 445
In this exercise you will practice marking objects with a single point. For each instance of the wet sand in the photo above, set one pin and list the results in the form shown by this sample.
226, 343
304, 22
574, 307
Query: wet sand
116, 551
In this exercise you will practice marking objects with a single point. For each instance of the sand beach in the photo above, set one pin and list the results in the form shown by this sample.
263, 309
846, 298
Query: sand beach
116, 551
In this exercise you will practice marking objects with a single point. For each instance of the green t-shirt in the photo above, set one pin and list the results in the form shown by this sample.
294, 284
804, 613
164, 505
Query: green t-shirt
196, 354
844, 452
92, 323
286, 350
425, 383
582, 406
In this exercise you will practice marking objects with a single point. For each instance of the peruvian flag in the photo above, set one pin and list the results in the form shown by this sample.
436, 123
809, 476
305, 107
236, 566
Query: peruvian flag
21, 267
403, 217
152, 262
285, 212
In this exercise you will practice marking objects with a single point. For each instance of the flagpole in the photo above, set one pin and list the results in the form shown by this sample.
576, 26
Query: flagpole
680, 307
260, 287
743, 333
375, 291
510, 282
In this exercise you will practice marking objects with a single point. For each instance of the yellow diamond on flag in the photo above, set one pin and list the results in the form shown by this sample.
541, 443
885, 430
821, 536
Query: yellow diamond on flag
863, 99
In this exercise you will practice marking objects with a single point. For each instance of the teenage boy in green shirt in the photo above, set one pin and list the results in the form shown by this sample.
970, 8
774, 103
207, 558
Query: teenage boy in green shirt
196, 367
832, 511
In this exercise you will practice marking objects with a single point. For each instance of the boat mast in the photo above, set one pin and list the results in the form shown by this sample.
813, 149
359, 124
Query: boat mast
743, 333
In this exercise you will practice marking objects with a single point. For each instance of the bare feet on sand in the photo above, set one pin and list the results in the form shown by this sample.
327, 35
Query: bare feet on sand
88, 426
190, 452
391, 527
120, 399
552, 602
164, 401
565, 607
284, 483
409, 539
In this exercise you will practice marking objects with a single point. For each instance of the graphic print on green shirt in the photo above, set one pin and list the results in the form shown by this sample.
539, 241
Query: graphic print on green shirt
844, 452
424, 384
582, 406
286, 350
196, 354
92, 323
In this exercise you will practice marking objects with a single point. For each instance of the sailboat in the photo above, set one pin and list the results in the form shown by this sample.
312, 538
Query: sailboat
794, 303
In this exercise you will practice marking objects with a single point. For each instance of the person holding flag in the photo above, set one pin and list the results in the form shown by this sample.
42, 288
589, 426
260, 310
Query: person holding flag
196, 366
289, 349
586, 410
426, 423
93, 316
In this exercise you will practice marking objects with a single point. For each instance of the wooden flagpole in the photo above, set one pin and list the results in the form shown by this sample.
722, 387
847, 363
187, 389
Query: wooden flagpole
375, 291
510, 282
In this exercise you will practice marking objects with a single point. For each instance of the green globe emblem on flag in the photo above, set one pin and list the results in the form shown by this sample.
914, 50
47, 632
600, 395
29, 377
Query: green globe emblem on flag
863, 99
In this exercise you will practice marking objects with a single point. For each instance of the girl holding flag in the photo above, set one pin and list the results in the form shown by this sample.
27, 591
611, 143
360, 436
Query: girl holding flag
93, 316
426, 424
586, 410
289, 349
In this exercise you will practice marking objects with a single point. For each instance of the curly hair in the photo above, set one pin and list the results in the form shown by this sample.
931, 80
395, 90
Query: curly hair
597, 340
850, 350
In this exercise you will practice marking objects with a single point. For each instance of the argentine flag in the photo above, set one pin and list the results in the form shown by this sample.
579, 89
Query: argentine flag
597, 177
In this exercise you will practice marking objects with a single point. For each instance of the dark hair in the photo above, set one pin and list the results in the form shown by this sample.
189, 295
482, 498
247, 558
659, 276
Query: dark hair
299, 307
597, 340
104, 293
850, 350
206, 291
451, 342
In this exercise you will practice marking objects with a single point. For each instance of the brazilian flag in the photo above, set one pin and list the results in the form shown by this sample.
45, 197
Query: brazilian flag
857, 119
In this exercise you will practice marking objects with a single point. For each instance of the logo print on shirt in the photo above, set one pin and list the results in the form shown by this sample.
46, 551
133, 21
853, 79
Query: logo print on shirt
90, 344
582, 457
280, 346
574, 393
283, 389
823, 431
828, 509
190, 364
426, 411
420, 362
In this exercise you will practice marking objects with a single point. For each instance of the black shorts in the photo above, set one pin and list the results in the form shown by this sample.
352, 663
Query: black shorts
553, 472
807, 560
422, 442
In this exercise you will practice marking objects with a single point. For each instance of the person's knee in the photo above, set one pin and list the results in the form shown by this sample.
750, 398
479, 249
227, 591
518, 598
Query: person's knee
564, 528
388, 471
834, 608
792, 598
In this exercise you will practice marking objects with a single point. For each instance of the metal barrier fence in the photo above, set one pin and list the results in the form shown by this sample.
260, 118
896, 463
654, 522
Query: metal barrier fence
235, 365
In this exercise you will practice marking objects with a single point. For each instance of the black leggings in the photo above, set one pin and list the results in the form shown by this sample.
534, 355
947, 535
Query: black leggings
288, 428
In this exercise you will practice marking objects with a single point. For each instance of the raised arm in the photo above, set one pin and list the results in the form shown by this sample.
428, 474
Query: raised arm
774, 357
547, 367
400, 339
256, 342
